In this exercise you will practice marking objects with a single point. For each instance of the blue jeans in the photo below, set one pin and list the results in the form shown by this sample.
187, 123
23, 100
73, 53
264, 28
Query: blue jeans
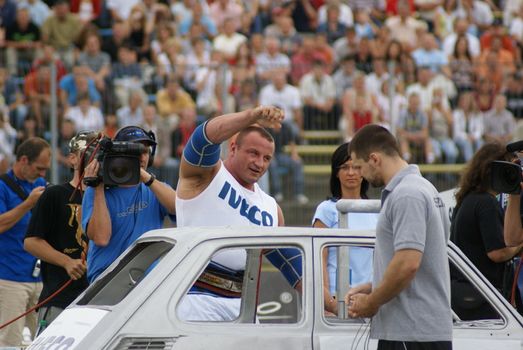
294, 166
445, 147
468, 147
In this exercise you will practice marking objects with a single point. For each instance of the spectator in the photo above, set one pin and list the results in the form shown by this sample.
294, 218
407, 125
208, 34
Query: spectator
7, 14
332, 25
247, 96
359, 105
404, 27
389, 111
120, 37
37, 89
110, 233
54, 235
198, 17
395, 55
479, 13
50, 57
287, 97
514, 94
302, 61
20, 282
121, 9
380, 43
319, 97
345, 182
304, 15
440, 129
364, 56
172, 99
413, 131
462, 65
375, 8
38, 10
86, 10
343, 13
85, 116
344, 75
97, 62
291, 162
243, 67
468, 126
76, 83
67, 132
111, 125
444, 20
14, 99
461, 26
427, 10
484, 94
363, 25
347, 45
198, 57
511, 10
477, 227
22, 42
272, 61
497, 31
499, 122
7, 144
61, 29
516, 26
132, 112
424, 87
286, 33
430, 55
164, 166
180, 135
495, 63
163, 33
126, 74
139, 34
222, 11
228, 41
171, 61
379, 74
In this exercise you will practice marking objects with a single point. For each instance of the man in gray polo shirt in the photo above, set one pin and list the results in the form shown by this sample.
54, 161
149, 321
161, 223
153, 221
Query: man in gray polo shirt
409, 298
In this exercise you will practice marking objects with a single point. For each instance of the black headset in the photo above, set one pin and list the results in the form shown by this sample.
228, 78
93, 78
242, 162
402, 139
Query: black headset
134, 133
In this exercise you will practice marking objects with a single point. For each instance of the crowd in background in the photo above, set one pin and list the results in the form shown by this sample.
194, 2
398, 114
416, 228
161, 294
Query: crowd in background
444, 75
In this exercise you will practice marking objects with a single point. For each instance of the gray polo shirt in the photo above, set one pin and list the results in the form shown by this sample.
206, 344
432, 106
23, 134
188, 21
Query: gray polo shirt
413, 216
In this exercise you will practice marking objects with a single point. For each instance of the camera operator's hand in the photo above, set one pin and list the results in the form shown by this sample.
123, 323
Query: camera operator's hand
91, 170
34, 195
75, 268
144, 175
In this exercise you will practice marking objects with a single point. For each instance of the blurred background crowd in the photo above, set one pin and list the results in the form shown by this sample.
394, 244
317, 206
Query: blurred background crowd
443, 75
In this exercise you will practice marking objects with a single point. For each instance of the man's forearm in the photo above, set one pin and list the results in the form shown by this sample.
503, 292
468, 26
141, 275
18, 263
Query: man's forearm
41, 249
225, 126
99, 229
399, 274
11, 217
166, 195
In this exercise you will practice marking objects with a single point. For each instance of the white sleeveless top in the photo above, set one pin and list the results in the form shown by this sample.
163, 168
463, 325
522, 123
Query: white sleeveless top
227, 203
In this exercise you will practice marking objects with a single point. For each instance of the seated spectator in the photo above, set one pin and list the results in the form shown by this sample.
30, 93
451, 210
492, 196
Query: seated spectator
344, 75
497, 30
120, 10
67, 132
181, 9
440, 129
38, 10
228, 40
164, 166
111, 125
302, 61
424, 88
171, 61
468, 126
243, 67
499, 122
132, 112
444, 19
86, 10
287, 97
380, 43
172, 99
461, 66
222, 11
182, 133
332, 26
404, 27
7, 143
394, 56
7, 15
246, 97
324, 51
389, 111
495, 63
319, 99
364, 56
97, 62
198, 56
428, 54
61, 29
163, 33
22, 42
284, 30
346, 45
120, 37
359, 106
198, 17
13, 99
484, 94
75, 83
377, 76
363, 25
85, 115
413, 131
343, 11
50, 57
461, 26
479, 13
126, 75
514, 94
516, 26
291, 162
271, 61
37, 89
139, 34
28, 130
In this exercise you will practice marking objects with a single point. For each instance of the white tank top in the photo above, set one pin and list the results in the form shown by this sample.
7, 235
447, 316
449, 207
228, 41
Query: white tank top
227, 203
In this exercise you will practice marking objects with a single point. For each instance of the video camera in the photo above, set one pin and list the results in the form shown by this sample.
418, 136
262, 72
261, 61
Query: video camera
506, 177
119, 162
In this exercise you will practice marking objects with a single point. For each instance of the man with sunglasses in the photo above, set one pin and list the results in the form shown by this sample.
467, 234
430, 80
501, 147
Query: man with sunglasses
113, 218
55, 236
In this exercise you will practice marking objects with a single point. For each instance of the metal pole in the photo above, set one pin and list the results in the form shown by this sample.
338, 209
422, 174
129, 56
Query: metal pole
54, 127
391, 93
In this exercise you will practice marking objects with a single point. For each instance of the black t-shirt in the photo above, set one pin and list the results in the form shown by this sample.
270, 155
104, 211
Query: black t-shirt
55, 220
477, 228
15, 33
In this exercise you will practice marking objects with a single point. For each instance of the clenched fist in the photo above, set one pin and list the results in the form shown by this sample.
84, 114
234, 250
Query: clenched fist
268, 116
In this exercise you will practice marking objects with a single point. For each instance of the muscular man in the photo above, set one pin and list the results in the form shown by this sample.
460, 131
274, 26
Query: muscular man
230, 188
55, 236
115, 217
20, 282
409, 297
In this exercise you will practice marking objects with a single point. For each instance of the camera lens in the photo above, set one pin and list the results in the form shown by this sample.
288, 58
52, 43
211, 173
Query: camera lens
120, 170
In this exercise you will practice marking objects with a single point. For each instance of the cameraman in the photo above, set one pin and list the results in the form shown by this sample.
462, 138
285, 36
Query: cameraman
514, 218
115, 217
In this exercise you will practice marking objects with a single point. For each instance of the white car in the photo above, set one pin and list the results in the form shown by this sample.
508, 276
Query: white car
134, 303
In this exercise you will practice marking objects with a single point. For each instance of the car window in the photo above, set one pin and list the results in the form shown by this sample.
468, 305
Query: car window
129, 273
353, 268
247, 285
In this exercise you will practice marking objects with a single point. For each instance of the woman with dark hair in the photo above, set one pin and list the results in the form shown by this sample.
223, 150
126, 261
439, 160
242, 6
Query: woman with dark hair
346, 182
477, 226
462, 65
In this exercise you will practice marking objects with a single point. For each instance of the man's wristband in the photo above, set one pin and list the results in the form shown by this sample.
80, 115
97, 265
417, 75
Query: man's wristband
150, 181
